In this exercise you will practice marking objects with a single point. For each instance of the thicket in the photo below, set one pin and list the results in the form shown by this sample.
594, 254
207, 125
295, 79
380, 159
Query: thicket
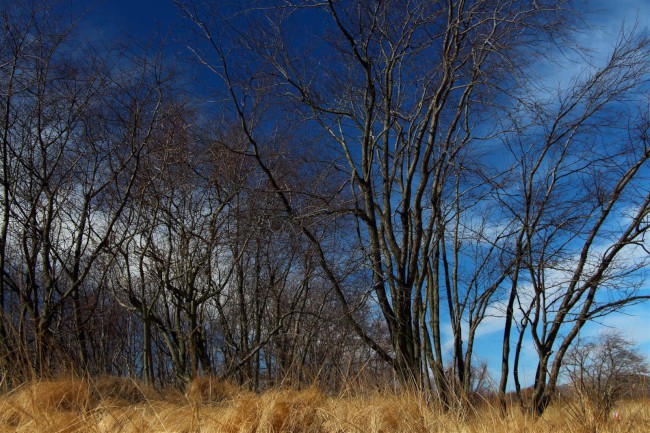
346, 202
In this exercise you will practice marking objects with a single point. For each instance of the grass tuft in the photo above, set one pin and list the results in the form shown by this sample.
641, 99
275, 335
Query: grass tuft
115, 405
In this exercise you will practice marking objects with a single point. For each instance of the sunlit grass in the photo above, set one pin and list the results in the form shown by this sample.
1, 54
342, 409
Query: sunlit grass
122, 406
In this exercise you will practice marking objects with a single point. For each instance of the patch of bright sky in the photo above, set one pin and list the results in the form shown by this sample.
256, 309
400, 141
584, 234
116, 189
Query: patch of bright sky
604, 20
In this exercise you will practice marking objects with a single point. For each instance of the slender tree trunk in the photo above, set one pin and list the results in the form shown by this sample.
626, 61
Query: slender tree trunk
147, 353
80, 331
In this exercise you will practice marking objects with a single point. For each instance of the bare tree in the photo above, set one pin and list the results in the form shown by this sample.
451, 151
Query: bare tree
578, 197
398, 91
384, 185
604, 370
73, 130
409, 99
175, 259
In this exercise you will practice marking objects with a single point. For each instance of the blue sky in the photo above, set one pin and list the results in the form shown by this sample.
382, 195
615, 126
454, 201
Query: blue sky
136, 17
152, 20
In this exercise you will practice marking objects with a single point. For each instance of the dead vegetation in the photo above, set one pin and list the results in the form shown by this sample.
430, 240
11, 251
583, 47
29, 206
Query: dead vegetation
116, 405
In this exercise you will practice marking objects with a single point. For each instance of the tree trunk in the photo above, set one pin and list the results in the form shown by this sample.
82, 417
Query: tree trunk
147, 353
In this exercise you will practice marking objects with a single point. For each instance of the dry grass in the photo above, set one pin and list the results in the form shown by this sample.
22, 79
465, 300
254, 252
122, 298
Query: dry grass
114, 405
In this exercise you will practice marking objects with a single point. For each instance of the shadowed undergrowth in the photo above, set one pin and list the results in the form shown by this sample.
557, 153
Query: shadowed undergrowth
123, 406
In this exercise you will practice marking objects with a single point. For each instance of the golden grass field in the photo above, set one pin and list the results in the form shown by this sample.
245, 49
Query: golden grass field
115, 405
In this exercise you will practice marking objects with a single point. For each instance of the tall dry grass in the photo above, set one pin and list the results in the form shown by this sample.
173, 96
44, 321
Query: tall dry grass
115, 405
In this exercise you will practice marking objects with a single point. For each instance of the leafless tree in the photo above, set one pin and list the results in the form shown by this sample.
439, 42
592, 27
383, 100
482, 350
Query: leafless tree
410, 99
578, 197
370, 190
603, 370
398, 91
73, 130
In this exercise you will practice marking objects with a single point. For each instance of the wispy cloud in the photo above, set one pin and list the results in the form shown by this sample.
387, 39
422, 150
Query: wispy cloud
604, 22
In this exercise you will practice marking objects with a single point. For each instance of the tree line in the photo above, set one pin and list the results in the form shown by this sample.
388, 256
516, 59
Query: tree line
367, 185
